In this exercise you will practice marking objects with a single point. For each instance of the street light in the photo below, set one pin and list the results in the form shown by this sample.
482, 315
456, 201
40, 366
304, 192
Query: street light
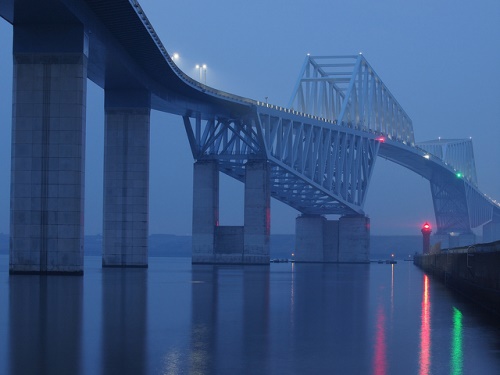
203, 72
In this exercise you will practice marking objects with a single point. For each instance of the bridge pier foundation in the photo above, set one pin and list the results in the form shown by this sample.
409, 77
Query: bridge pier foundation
126, 179
257, 224
354, 239
205, 210
451, 240
346, 240
309, 238
48, 149
214, 244
491, 232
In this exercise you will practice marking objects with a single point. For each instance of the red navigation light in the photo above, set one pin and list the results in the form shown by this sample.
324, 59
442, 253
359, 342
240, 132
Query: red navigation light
426, 233
381, 139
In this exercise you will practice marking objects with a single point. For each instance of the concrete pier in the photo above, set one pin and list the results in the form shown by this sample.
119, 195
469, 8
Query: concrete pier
205, 210
451, 240
126, 179
257, 212
309, 242
354, 239
48, 149
470, 270
212, 243
491, 231
346, 240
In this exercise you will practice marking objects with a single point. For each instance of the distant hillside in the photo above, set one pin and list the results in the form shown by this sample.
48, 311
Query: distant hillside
381, 247
282, 245
160, 245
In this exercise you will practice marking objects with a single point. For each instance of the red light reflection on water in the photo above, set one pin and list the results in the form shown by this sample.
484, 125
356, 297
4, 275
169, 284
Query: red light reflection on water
425, 330
380, 359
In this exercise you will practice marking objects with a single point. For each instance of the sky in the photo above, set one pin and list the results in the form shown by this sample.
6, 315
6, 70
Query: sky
439, 58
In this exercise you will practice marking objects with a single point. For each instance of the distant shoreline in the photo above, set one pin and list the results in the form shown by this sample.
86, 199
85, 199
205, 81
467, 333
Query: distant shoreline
282, 245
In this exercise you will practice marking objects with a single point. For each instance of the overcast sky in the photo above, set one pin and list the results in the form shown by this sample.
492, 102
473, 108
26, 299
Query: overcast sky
439, 58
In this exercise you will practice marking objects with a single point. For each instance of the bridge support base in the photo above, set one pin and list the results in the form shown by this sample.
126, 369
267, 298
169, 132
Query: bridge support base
126, 180
451, 240
346, 240
214, 244
491, 232
48, 151
205, 210
257, 228
354, 239
310, 239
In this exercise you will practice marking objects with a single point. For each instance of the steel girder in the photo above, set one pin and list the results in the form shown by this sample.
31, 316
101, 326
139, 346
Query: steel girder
458, 204
231, 139
458, 153
336, 162
481, 208
322, 152
450, 204
316, 167
347, 91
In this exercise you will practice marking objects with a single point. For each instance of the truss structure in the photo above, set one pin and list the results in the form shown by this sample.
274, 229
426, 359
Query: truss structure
457, 153
458, 204
335, 162
315, 168
347, 91
322, 150
481, 208
450, 205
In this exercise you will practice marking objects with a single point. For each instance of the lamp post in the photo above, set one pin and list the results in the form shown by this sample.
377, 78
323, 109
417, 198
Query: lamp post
202, 69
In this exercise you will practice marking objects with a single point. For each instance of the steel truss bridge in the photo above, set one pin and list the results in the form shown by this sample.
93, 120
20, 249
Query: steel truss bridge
321, 148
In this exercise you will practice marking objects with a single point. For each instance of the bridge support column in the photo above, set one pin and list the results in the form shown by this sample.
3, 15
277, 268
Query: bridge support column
48, 149
257, 221
466, 239
205, 210
231, 244
309, 245
316, 239
454, 239
354, 239
491, 232
126, 179
331, 241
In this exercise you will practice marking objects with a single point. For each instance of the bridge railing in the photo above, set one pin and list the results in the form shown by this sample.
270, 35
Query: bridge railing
187, 79
346, 91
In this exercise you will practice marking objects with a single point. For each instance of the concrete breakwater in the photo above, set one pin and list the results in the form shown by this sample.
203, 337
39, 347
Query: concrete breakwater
473, 271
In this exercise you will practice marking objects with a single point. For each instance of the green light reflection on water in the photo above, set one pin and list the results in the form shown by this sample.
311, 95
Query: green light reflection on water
456, 345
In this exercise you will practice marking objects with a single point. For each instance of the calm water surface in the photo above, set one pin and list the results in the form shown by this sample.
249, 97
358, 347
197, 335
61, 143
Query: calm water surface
175, 318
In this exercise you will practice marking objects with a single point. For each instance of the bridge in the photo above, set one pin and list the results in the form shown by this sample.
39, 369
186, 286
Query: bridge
316, 155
